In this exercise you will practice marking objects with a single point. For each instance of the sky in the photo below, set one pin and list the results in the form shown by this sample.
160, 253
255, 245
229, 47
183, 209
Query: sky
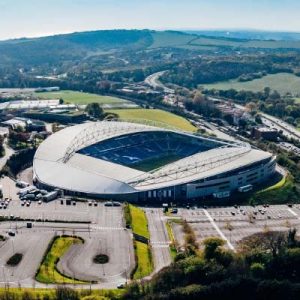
31, 18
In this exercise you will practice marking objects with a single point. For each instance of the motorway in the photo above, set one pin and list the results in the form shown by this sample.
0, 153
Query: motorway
287, 130
153, 81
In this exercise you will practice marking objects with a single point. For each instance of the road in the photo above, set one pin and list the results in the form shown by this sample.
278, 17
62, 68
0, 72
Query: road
287, 130
8, 153
153, 81
159, 238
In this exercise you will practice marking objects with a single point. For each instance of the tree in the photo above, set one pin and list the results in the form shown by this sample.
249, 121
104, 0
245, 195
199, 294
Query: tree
212, 247
95, 110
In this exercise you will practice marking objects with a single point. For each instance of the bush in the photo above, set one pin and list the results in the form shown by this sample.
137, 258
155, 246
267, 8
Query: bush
101, 259
257, 270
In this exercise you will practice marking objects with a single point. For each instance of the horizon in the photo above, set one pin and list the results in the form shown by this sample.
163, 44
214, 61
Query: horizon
183, 30
33, 18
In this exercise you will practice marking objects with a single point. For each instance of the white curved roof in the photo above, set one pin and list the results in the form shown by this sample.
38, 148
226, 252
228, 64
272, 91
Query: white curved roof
57, 164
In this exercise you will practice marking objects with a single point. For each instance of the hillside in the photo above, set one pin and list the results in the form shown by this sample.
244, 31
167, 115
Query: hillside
69, 48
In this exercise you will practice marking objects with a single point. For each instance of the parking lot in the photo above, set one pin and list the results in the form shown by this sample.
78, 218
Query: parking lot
101, 226
234, 223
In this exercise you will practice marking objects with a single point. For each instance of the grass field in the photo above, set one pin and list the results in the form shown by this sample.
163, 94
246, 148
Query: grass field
207, 41
170, 39
144, 262
79, 97
282, 82
48, 272
155, 115
154, 163
139, 221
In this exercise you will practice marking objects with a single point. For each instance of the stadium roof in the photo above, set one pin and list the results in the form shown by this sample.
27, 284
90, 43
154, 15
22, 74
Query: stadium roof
58, 164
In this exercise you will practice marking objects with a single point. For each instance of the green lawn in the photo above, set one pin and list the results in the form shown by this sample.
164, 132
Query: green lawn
155, 115
282, 82
156, 162
144, 261
139, 221
47, 272
79, 97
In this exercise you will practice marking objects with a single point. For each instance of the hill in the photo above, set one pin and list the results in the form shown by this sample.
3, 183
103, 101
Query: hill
69, 48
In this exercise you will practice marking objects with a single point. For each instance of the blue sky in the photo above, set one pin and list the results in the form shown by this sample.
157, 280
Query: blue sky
20, 18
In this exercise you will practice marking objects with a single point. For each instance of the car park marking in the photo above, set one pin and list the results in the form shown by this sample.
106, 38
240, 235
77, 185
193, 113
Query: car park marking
213, 223
107, 228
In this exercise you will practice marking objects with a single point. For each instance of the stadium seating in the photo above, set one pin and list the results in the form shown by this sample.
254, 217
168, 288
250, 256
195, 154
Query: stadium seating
132, 149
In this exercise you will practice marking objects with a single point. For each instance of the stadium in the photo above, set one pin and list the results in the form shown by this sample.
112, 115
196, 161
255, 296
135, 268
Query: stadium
139, 162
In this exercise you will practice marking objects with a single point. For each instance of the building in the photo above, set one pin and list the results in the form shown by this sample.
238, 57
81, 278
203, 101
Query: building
127, 161
15, 123
26, 124
265, 133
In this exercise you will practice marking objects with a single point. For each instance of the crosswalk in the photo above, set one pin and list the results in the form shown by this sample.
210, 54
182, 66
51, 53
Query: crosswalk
106, 228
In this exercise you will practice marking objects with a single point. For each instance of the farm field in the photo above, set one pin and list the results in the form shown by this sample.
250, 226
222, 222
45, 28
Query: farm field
226, 42
155, 115
282, 82
170, 39
79, 97
193, 41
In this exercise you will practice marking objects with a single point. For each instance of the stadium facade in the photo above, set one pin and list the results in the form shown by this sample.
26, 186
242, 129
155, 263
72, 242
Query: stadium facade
130, 161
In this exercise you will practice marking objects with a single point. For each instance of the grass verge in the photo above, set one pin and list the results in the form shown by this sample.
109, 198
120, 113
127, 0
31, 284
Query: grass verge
48, 272
50, 294
278, 185
144, 266
139, 223
173, 248
136, 219
280, 193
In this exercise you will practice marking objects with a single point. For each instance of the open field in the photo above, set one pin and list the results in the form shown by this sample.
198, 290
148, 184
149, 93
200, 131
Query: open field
192, 41
282, 82
79, 97
234, 43
170, 39
155, 115
48, 272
